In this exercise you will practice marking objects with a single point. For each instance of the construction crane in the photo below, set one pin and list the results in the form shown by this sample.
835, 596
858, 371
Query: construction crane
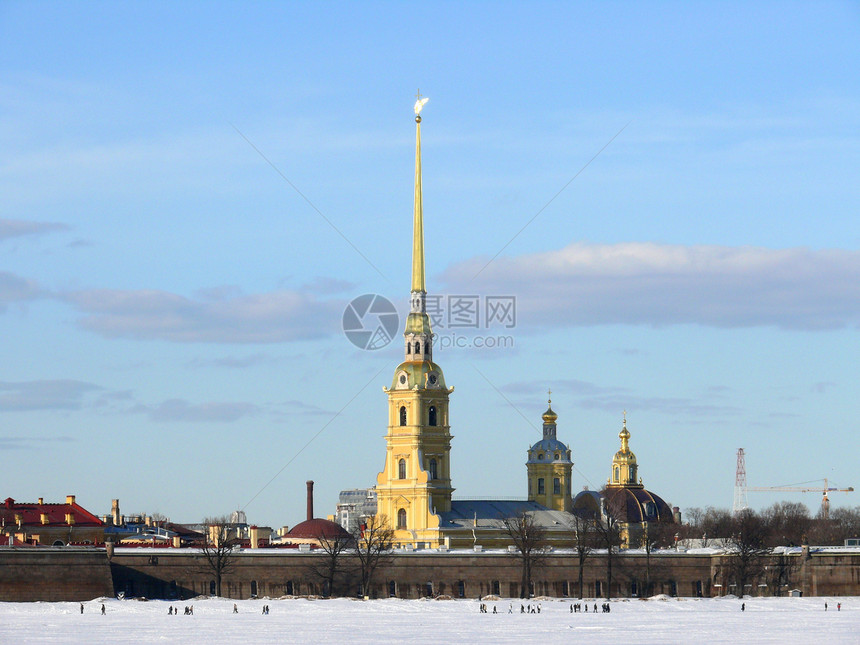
802, 488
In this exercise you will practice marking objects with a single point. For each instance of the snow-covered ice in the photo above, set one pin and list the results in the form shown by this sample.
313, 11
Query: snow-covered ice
659, 620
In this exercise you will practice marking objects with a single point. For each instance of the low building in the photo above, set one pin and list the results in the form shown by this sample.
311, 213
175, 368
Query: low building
50, 524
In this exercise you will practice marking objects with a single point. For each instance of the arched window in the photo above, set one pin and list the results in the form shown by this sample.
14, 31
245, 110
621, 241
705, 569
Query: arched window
417, 347
403, 415
392, 588
431, 414
433, 469
408, 348
617, 475
401, 469
461, 589
401, 518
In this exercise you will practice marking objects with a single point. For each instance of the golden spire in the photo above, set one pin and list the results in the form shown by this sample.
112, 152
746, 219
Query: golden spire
418, 224
624, 435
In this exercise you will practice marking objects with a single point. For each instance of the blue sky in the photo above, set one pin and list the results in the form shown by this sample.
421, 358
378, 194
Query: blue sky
193, 193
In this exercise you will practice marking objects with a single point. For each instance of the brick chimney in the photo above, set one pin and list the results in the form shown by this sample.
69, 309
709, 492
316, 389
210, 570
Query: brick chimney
310, 484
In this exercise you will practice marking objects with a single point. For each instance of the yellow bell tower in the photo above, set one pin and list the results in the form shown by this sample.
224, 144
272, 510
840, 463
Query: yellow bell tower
549, 467
624, 465
415, 484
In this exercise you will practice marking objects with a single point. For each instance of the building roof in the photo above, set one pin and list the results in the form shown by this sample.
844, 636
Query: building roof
318, 528
636, 505
492, 513
31, 513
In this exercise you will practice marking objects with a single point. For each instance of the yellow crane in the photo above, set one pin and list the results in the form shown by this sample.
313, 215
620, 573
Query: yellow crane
802, 488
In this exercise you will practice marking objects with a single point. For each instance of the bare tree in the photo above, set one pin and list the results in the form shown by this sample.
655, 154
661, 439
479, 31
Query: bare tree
219, 546
655, 535
329, 563
584, 538
529, 538
609, 537
748, 544
786, 523
779, 572
373, 541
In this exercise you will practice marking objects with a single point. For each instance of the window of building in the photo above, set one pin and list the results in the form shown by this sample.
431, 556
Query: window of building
556, 486
288, 588
597, 589
401, 518
253, 588
617, 475
433, 469
428, 589
432, 415
392, 589
403, 415
401, 469
461, 589
541, 490
417, 347
565, 589
211, 587
497, 588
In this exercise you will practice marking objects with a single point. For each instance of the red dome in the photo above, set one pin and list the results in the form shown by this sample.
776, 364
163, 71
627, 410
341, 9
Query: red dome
317, 528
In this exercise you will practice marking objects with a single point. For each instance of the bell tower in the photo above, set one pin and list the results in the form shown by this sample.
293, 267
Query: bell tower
549, 467
624, 465
415, 484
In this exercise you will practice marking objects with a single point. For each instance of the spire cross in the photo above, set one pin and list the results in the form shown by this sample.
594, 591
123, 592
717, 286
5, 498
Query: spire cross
549, 395
418, 93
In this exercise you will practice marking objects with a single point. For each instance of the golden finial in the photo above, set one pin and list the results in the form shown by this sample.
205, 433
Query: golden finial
419, 105
549, 396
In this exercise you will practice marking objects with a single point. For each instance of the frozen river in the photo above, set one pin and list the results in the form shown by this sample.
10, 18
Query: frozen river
661, 620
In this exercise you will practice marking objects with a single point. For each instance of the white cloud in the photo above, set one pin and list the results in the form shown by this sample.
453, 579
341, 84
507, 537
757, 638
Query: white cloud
231, 317
58, 394
16, 228
14, 288
174, 410
661, 284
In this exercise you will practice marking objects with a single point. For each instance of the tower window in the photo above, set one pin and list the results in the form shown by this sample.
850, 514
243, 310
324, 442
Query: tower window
403, 415
417, 347
432, 415
556, 486
408, 348
401, 469
541, 488
433, 469
617, 475
401, 518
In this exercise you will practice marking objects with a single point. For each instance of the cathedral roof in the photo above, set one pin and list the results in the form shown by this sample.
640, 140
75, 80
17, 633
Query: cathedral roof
636, 505
549, 450
418, 373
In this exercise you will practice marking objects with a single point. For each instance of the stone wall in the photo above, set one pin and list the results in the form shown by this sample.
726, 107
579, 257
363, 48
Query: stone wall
79, 574
54, 574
